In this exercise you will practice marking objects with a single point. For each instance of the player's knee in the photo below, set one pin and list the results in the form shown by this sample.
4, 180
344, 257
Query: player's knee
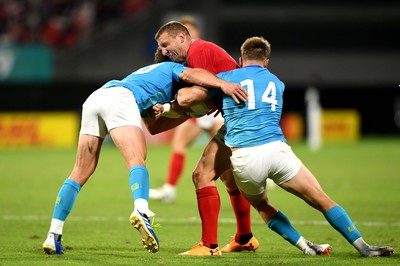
197, 179
201, 179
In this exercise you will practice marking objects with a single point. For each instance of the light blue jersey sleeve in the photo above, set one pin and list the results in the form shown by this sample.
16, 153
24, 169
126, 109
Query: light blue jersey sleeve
256, 121
152, 84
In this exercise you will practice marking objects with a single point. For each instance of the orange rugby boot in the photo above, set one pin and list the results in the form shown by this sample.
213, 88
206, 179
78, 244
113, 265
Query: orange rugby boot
234, 246
201, 250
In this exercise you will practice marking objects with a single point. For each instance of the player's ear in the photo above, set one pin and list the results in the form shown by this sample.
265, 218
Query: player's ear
182, 37
240, 62
266, 62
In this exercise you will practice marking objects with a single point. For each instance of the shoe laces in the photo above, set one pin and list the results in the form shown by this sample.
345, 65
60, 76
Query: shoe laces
153, 224
150, 216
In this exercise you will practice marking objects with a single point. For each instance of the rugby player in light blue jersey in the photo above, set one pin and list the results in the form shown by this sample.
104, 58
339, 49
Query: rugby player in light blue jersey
259, 151
117, 109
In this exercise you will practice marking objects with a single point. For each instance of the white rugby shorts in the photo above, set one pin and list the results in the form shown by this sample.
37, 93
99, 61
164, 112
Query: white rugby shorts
252, 166
108, 108
207, 121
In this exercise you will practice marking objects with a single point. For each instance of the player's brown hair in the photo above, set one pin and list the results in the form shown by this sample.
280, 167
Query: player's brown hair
255, 48
159, 57
173, 28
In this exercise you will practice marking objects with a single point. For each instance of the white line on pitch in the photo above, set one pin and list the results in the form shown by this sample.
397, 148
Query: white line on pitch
175, 220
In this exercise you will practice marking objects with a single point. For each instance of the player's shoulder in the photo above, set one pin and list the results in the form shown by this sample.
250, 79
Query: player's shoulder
199, 45
229, 73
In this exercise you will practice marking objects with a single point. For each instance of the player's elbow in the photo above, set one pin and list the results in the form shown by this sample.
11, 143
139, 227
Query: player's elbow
184, 99
186, 75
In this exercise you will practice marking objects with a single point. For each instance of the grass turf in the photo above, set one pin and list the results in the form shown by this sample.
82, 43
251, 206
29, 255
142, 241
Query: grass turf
362, 177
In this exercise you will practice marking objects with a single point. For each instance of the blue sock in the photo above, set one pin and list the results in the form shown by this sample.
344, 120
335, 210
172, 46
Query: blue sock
139, 182
66, 199
281, 224
339, 219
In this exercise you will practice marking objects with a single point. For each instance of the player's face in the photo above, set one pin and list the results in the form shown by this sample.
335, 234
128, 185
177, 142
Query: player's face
173, 47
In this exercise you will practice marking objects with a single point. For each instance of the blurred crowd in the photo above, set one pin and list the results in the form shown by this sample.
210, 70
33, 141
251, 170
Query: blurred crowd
59, 22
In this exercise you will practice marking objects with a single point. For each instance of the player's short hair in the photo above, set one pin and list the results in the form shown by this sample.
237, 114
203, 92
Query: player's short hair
173, 28
255, 48
159, 57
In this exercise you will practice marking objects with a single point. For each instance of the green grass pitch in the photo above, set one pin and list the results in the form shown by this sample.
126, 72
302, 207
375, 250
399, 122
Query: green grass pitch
362, 177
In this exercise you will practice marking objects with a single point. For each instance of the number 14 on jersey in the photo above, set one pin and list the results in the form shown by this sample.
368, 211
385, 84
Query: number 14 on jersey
268, 96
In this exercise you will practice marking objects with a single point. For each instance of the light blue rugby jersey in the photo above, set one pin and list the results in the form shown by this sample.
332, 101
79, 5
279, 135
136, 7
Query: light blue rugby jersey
152, 84
256, 121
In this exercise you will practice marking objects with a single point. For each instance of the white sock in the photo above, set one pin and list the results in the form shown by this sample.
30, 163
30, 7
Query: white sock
302, 245
169, 188
142, 205
360, 244
56, 226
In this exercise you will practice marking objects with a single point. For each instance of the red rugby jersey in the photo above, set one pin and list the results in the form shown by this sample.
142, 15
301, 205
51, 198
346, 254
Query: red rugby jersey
207, 55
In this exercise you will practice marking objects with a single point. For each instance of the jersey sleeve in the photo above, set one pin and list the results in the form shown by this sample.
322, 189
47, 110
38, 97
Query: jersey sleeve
177, 69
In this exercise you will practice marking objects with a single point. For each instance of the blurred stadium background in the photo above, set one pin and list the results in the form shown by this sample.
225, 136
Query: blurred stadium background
343, 55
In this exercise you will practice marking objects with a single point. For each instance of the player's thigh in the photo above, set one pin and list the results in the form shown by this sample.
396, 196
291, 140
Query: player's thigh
306, 186
184, 135
213, 162
130, 140
87, 157
229, 180
219, 154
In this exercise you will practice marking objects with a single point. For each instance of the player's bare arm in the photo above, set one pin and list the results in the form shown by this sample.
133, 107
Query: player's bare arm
195, 101
206, 79
155, 126
188, 96
190, 102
